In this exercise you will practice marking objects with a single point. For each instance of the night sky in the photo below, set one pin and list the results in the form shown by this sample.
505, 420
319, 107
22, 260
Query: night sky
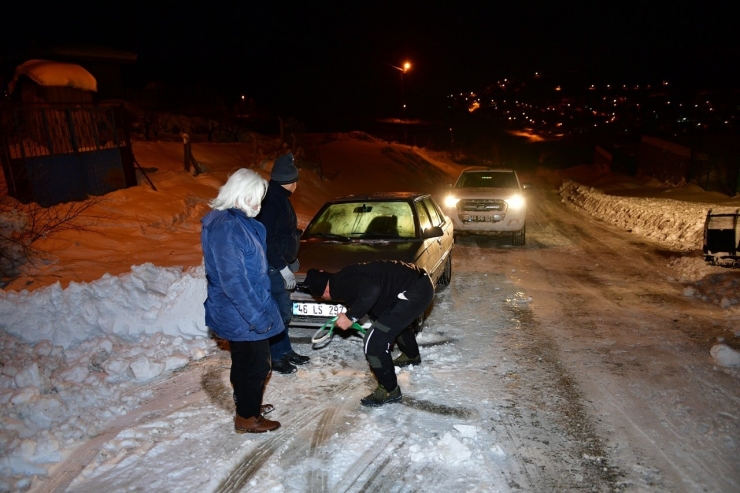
333, 57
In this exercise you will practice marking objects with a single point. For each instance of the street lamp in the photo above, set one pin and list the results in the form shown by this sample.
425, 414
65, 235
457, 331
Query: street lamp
405, 68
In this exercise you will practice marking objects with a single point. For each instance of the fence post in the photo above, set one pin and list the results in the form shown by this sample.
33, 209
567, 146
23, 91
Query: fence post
186, 150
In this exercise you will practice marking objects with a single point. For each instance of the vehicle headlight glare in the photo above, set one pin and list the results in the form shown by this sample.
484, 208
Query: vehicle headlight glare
451, 201
516, 202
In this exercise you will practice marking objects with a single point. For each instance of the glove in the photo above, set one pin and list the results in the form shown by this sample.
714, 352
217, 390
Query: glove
294, 266
288, 277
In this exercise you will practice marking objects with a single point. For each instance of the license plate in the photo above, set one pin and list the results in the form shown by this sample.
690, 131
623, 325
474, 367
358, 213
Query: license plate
317, 309
493, 218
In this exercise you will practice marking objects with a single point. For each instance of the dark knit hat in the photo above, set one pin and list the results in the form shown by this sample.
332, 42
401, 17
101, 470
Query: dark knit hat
283, 170
316, 281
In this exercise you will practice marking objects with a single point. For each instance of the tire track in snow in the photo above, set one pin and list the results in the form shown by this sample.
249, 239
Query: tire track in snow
284, 438
179, 390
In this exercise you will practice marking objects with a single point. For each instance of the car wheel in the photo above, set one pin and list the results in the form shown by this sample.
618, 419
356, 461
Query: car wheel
446, 276
519, 238
418, 324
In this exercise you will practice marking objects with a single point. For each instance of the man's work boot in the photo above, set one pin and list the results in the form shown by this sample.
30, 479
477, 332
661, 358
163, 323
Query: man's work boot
404, 360
381, 396
283, 366
254, 424
297, 359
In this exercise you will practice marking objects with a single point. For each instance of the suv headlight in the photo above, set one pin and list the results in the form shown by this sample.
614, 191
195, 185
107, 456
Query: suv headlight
451, 201
516, 202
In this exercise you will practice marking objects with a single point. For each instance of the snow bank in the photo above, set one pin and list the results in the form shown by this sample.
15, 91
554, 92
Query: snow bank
675, 224
148, 300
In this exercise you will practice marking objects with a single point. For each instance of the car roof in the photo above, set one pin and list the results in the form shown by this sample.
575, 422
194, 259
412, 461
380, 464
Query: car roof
379, 196
486, 168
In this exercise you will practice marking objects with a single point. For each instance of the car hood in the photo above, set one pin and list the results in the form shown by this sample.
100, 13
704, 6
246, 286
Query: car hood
483, 193
331, 256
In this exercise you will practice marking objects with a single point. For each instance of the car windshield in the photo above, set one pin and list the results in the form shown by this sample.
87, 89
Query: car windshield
359, 220
487, 179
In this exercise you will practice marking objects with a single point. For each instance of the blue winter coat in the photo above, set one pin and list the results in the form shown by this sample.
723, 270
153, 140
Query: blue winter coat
239, 306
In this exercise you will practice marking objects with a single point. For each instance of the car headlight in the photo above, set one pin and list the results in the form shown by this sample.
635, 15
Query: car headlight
451, 201
516, 202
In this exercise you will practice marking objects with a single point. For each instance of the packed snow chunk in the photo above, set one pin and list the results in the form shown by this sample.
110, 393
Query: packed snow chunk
76, 373
47, 411
143, 369
466, 431
24, 395
32, 376
43, 348
18, 465
416, 454
498, 451
451, 451
115, 366
177, 360
47, 449
724, 355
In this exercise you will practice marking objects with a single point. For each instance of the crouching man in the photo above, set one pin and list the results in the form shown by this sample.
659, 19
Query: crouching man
394, 294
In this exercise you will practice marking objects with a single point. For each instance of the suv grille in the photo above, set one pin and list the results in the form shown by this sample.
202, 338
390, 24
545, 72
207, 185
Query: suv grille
481, 205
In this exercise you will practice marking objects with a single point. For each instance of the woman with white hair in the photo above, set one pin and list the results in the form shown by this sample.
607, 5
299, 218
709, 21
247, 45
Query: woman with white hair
239, 307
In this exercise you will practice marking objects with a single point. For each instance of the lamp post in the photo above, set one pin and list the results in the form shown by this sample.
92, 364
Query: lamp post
405, 68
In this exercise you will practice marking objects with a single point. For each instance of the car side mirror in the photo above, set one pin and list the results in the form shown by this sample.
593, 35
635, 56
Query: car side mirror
433, 232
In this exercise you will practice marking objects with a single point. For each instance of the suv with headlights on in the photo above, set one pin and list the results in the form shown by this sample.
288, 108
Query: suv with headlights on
488, 201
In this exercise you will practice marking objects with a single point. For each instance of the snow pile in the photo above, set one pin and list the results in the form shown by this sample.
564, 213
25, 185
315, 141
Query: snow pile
68, 356
675, 224
148, 300
55, 398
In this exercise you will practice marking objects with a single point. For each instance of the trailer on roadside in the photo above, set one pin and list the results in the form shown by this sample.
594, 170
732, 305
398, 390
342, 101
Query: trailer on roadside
722, 238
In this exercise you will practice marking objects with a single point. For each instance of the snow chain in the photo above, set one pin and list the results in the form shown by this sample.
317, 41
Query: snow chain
326, 331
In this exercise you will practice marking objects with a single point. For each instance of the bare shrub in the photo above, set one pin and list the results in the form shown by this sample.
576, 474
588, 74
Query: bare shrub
21, 225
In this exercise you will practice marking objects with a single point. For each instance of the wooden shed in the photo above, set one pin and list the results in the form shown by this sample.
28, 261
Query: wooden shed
56, 144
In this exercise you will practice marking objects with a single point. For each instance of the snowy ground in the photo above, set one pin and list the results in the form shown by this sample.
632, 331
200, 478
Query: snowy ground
78, 357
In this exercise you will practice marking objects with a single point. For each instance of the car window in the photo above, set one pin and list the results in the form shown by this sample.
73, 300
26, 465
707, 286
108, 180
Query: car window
424, 221
434, 215
487, 179
393, 219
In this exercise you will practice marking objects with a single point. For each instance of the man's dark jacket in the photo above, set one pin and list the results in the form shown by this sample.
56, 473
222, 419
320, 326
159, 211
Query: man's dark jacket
281, 223
372, 287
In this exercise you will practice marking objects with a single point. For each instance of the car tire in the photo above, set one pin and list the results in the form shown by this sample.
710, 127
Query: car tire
418, 324
519, 238
446, 277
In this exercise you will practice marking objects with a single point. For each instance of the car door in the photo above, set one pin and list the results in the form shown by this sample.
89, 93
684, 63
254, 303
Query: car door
430, 250
443, 244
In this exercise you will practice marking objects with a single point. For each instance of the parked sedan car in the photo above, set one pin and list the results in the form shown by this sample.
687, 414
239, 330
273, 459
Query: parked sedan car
405, 226
488, 201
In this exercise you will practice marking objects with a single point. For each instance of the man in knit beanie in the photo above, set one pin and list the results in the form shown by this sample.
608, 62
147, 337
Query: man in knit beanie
281, 224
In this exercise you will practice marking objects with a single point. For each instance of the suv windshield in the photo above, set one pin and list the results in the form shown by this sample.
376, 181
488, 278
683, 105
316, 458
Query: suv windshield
364, 220
487, 179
